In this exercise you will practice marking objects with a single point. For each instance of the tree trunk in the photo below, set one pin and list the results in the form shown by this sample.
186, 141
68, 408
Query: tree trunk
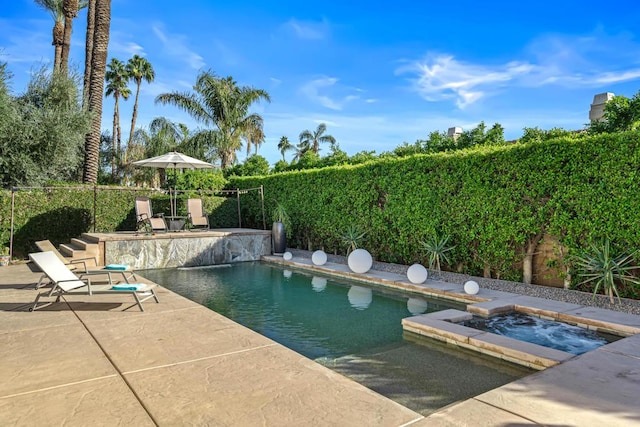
70, 8
567, 278
88, 51
64, 57
527, 263
96, 88
486, 271
134, 117
58, 41
114, 148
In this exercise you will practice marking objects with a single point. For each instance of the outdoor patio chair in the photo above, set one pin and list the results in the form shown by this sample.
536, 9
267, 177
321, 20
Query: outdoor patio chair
66, 282
196, 215
145, 219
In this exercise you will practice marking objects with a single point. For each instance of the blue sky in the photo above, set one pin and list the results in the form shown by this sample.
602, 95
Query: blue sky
378, 74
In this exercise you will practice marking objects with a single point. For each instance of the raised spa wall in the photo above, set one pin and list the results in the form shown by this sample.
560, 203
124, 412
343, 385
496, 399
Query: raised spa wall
185, 249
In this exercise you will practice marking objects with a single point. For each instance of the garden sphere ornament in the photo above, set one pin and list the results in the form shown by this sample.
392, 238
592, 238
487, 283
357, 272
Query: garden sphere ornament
471, 287
360, 261
417, 274
319, 258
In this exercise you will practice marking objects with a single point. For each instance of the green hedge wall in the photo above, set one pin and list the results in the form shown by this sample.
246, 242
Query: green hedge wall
491, 200
61, 213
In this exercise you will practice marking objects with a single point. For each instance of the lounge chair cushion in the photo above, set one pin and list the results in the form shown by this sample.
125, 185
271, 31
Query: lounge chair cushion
122, 267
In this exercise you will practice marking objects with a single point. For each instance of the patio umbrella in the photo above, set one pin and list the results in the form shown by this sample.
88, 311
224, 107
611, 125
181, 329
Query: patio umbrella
173, 160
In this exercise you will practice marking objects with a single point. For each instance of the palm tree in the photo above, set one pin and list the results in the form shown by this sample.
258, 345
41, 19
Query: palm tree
220, 102
96, 87
312, 141
55, 8
284, 145
255, 135
138, 69
117, 79
163, 136
88, 51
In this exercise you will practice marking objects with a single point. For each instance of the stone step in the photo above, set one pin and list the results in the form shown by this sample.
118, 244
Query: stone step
80, 249
85, 245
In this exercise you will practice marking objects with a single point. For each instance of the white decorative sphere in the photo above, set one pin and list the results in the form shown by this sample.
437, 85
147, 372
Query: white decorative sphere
471, 287
417, 306
360, 297
287, 274
319, 258
318, 283
417, 274
287, 256
360, 261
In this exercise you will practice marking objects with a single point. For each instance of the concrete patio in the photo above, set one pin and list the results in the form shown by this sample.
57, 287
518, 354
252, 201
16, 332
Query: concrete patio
95, 361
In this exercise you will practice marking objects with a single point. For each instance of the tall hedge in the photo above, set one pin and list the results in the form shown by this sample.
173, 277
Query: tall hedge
493, 201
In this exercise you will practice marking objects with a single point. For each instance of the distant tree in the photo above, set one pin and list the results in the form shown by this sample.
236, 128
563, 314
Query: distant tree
363, 156
312, 140
255, 165
495, 135
480, 136
620, 114
254, 135
117, 79
308, 160
220, 102
535, 134
105, 175
281, 166
138, 69
284, 145
407, 149
335, 157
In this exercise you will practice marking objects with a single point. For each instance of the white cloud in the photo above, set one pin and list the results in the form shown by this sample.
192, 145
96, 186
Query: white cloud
308, 30
176, 45
441, 77
567, 61
316, 90
124, 49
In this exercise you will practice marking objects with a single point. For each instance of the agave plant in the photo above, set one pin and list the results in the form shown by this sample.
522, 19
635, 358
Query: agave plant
436, 248
599, 266
352, 238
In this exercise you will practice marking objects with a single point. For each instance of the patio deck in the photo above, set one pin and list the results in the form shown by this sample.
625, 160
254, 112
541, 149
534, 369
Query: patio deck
85, 363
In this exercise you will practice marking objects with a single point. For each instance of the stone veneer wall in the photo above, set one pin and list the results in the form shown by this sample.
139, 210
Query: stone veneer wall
187, 252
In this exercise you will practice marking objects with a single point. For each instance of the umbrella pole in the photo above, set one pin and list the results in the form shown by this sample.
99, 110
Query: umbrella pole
175, 191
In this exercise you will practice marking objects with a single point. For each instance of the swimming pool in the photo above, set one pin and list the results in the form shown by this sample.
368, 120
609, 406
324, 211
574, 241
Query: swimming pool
349, 327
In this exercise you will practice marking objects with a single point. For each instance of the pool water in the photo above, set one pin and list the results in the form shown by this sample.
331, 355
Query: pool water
560, 336
351, 328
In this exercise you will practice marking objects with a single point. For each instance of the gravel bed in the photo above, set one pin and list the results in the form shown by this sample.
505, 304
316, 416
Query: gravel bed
570, 296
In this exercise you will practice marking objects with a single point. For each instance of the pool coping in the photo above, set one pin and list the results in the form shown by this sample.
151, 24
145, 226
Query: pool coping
443, 325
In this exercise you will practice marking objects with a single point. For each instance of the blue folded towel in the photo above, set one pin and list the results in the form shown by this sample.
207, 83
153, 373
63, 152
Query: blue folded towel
116, 267
128, 287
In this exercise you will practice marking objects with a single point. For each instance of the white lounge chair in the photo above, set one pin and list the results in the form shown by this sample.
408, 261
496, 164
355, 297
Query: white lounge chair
66, 281
72, 264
